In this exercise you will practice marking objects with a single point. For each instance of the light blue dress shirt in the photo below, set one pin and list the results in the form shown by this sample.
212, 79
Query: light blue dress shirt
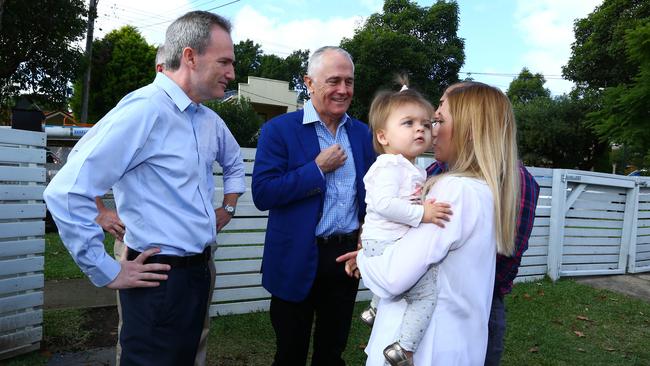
340, 210
156, 150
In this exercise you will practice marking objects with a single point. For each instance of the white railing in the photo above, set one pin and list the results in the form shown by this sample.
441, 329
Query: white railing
586, 223
22, 230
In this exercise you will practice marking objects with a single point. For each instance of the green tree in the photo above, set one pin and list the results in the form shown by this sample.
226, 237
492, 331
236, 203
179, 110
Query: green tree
247, 56
241, 119
39, 54
625, 115
122, 62
421, 42
252, 62
598, 55
553, 132
527, 87
609, 64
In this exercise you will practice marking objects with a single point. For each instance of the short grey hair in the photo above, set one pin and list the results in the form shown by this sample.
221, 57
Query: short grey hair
160, 56
190, 30
316, 58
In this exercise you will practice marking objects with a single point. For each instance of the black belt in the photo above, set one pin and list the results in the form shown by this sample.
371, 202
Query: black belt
174, 261
352, 237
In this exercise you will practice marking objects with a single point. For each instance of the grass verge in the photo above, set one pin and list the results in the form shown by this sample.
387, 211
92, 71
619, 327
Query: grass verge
58, 262
562, 323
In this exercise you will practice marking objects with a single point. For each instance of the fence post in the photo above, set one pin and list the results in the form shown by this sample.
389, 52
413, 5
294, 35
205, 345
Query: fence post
556, 230
630, 224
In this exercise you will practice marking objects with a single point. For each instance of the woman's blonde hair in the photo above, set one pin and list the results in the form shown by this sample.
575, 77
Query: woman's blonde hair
484, 138
386, 101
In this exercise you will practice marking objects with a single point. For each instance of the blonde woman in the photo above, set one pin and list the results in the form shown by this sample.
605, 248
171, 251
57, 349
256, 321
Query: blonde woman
476, 135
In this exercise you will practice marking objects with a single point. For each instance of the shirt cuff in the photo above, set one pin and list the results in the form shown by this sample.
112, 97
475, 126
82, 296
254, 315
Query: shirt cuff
104, 272
234, 186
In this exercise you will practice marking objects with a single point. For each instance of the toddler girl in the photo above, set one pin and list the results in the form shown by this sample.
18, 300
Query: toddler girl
401, 127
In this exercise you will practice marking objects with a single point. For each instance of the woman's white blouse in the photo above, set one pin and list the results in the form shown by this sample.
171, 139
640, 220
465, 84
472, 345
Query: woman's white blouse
466, 253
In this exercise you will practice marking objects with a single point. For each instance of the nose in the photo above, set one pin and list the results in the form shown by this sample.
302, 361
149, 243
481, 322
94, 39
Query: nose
434, 130
230, 73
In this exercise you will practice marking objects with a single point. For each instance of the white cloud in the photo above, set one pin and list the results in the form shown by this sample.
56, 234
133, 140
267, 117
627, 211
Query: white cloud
547, 28
151, 17
281, 38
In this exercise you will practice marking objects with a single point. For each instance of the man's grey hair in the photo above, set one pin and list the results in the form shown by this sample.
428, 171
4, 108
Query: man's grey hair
316, 59
160, 56
190, 30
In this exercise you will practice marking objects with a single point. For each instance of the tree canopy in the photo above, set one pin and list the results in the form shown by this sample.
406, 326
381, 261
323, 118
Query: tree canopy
610, 63
526, 87
39, 54
251, 61
241, 119
122, 62
421, 42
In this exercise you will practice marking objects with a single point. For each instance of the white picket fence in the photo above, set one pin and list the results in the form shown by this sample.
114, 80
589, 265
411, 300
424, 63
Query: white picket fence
22, 243
586, 223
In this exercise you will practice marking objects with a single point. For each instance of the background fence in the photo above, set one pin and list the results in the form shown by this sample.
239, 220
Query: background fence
586, 223
22, 181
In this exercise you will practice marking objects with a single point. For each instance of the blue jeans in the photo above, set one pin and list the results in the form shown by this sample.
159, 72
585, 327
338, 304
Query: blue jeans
496, 331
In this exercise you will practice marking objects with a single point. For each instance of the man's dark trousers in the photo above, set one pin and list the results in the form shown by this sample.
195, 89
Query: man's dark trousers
162, 325
331, 300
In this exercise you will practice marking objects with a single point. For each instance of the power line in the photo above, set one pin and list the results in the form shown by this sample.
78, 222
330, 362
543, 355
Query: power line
171, 19
503, 74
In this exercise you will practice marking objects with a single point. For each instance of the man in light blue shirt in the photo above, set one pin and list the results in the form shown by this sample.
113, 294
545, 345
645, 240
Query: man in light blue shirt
156, 149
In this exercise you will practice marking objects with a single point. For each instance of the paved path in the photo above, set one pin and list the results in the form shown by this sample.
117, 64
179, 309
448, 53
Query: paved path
76, 293
634, 285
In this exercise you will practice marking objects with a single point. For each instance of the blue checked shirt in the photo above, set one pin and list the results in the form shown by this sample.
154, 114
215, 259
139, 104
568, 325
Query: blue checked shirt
340, 211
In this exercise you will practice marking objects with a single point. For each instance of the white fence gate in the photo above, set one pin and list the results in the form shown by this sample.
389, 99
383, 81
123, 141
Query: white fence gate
22, 230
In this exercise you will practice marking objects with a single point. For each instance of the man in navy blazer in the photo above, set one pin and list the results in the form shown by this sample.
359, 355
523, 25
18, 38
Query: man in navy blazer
308, 173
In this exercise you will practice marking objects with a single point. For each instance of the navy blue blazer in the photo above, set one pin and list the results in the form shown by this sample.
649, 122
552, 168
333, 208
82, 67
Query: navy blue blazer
288, 183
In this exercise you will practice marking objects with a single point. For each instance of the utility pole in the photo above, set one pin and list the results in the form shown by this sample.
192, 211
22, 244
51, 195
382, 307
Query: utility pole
92, 12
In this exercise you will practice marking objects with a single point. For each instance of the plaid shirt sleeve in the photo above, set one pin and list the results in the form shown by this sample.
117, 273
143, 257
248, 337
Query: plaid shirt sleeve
507, 267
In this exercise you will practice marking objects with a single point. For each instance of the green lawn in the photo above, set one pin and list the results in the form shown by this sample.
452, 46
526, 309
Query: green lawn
562, 323
58, 262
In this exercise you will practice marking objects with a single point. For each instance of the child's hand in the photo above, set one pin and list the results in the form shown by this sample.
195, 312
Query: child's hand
436, 212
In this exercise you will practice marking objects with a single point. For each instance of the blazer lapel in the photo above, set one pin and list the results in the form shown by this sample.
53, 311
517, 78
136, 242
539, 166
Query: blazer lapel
308, 139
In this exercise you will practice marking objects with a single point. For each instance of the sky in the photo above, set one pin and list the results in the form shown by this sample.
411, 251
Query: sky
501, 36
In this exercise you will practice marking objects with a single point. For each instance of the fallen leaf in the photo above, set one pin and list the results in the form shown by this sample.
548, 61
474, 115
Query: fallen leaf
582, 317
540, 292
527, 296
609, 349
534, 350
581, 350
578, 333
362, 346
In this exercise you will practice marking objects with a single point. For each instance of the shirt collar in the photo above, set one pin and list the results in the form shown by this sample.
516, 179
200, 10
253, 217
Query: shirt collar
310, 115
174, 91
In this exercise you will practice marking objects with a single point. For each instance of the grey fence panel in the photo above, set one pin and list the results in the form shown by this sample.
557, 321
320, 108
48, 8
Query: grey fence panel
21, 192
22, 172
21, 155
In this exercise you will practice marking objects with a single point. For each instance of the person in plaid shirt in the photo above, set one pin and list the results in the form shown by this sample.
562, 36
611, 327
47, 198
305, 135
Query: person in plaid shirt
506, 267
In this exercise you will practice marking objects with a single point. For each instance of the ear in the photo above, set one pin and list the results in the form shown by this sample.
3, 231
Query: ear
188, 56
308, 83
381, 137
